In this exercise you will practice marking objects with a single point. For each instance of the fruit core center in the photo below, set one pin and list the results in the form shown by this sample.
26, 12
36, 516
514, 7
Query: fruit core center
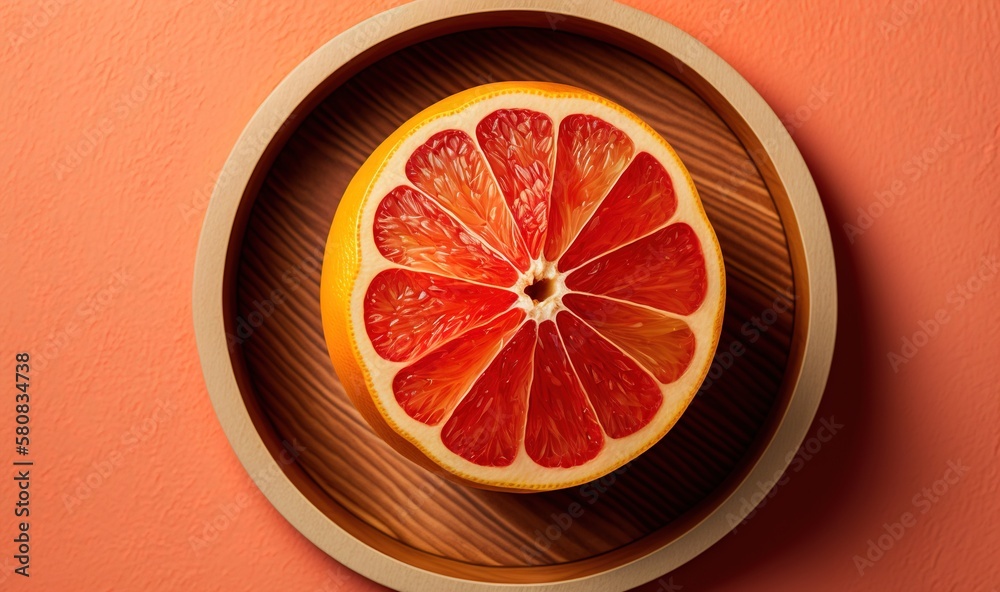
541, 289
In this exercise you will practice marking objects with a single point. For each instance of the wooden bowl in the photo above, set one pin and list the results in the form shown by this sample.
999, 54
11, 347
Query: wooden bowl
257, 316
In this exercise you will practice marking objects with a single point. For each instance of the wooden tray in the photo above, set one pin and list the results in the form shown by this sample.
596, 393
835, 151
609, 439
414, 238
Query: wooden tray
257, 316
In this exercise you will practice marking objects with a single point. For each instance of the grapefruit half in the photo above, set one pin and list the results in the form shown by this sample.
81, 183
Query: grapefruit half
521, 289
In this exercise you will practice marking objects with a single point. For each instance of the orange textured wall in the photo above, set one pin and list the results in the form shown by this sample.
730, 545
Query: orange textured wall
116, 116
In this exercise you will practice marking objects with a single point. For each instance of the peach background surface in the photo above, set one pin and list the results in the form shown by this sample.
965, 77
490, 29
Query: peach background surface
117, 115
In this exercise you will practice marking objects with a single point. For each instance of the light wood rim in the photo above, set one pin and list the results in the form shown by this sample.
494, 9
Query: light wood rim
725, 90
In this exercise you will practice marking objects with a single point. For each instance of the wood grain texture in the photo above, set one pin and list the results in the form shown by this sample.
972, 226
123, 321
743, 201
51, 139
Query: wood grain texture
277, 295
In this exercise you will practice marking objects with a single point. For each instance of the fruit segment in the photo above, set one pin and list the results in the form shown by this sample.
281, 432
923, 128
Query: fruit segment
590, 155
624, 396
562, 430
518, 145
429, 388
450, 168
640, 202
661, 344
407, 313
412, 230
486, 426
665, 270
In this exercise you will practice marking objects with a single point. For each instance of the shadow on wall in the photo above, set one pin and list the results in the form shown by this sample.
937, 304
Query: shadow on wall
813, 497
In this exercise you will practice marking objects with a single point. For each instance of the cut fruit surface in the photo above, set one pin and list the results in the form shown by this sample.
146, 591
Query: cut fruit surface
521, 289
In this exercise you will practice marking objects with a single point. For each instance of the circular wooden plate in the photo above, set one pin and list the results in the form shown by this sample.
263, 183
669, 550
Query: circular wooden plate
257, 316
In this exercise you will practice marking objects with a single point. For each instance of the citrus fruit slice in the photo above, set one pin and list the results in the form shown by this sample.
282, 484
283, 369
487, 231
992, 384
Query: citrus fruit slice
521, 289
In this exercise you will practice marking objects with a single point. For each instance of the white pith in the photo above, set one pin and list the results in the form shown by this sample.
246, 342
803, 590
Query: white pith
524, 472
544, 310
